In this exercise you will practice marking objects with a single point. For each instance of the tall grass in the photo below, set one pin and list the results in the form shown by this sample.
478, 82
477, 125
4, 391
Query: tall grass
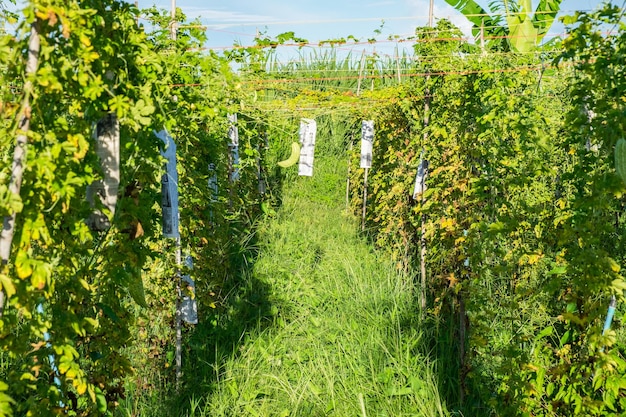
342, 327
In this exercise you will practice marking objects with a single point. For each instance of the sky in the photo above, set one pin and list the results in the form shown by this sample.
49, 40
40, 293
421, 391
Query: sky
239, 21
315, 20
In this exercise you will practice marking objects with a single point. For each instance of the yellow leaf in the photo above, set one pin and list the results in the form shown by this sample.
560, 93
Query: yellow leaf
85, 40
614, 266
92, 393
80, 385
66, 29
7, 285
23, 269
38, 278
85, 284
28, 376
447, 223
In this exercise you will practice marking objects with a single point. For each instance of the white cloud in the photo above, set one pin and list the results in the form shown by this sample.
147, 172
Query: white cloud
448, 12
221, 19
380, 3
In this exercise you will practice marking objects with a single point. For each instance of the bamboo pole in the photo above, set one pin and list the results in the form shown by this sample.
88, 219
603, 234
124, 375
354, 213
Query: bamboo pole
21, 147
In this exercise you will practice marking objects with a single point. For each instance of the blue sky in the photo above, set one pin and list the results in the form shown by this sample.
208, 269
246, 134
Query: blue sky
314, 20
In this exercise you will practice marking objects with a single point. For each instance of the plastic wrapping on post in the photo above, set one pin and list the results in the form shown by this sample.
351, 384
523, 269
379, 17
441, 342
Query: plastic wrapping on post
308, 130
420, 178
107, 137
233, 145
367, 143
188, 304
169, 187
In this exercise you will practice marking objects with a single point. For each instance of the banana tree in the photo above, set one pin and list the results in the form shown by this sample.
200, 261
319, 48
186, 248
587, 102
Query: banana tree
521, 30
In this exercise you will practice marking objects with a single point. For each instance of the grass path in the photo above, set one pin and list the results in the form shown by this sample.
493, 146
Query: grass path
343, 338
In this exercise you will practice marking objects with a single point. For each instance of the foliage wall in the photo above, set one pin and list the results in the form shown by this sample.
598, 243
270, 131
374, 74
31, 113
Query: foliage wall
521, 219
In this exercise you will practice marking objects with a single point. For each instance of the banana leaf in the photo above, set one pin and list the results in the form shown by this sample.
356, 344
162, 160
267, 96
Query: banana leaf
544, 16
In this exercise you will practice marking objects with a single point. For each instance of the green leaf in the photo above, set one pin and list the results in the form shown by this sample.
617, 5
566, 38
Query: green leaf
101, 401
618, 285
545, 332
544, 16
474, 13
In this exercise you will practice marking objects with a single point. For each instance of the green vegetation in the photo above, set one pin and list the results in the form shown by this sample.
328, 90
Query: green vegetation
333, 329
521, 30
483, 295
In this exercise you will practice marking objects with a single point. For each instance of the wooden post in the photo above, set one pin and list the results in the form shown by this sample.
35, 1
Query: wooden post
372, 74
179, 319
364, 198
358, 86
179, 337
367, 144
462, 333
423, 217
173, 25
349, 171
398, 65
430, 13
19, 153
482, 37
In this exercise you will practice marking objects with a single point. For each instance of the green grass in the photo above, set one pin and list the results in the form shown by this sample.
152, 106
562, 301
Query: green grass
342, 341
318, 324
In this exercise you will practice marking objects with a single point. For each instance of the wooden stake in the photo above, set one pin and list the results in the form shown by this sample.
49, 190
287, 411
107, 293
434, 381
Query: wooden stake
173, 26
430, 13
398, 66
179, 319
349, 171
423, 219
462, 332
358, 86
364, 198
482, 37
19, 153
